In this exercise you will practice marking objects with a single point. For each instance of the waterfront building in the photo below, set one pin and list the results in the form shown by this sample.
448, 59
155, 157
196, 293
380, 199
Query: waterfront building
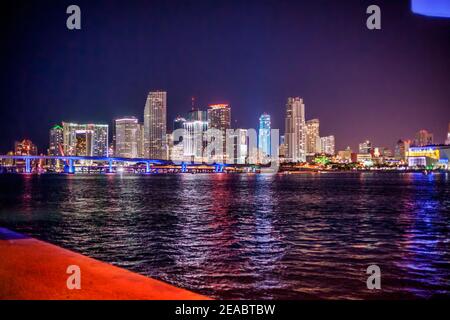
362, 158
194, 142
219, 117
264, 144
128, 137
85, 139
423, 138
240, 141
155, 125
295, 130
56, 141
25, 148
327, 145
312, 137
432, 157
365, 147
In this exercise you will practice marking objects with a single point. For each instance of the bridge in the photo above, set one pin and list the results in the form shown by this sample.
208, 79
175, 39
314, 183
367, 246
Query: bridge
70, 162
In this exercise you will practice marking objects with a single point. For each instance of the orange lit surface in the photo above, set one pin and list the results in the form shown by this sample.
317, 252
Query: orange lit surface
35, 270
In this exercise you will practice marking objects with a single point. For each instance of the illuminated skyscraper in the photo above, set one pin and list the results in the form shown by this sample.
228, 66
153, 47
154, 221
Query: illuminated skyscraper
155, 125
423, 138
264, 135
295, 135
128, 138
219, 117
312, 137
56, 142
85, 139
327, 145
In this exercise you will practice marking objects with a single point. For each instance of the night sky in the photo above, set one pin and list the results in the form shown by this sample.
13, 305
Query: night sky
361, 84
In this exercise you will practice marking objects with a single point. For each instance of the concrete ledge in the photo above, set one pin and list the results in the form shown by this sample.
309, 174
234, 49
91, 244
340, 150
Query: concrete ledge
31, 269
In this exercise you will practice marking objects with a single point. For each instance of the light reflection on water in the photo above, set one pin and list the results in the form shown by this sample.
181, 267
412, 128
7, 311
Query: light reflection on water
249, 236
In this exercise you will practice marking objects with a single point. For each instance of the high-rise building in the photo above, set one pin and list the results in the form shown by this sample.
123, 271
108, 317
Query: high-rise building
194, 140
447, 141
219, 118
85, 139
423, 138
56, 142
128, 138
295, 135
155, 125
25, 148
327, 145
365, 147
312, 137
264, 143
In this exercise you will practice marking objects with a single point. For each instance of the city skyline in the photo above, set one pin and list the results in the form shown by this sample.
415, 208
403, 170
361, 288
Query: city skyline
357, 88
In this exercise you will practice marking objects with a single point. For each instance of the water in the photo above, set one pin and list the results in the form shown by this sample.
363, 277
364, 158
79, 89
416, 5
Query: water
308, 236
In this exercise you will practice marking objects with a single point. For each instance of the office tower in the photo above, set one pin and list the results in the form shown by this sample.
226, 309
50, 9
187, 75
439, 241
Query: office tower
401, 149
264, 144
100, 146
312, 137
128, 137
423, 138
295, 135
194, 142
155, 126
447, 141
282, 150
85, 139
219, 116
25, 148
141, 141
327, 145
240, 141
56, 142
365, 147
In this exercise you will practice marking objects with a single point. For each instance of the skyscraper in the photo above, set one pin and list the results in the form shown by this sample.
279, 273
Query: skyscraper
85, 139
128, 137
219, 117
312, 137
56, 141
295, 135
327, 145
264, 135
155, 126
423, 138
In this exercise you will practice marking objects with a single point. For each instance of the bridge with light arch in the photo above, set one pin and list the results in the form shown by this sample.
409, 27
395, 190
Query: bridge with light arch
71, 160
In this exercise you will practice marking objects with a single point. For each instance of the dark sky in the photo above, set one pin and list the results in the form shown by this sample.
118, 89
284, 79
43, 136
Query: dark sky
381, 85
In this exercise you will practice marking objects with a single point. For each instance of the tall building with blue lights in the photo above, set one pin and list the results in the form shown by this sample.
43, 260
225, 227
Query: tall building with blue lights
264, 135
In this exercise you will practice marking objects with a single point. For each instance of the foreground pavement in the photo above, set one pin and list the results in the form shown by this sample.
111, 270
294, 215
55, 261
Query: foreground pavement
31, 269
